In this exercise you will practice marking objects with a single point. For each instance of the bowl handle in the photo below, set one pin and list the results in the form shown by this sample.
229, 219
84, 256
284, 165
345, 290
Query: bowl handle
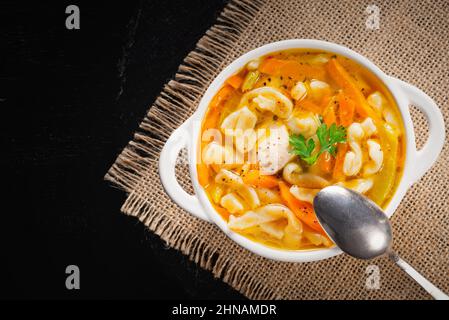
179, 139
428, 154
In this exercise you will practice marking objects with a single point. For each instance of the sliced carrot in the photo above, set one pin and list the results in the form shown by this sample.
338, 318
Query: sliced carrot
330, 115
272, 66
303, 210
212, 117
235, 81
309, 106
254, 178
325, 100
216, 167
344, 80
326, 162
222, 211
290, 69
313, 72
339, 160
222, 95
203, 174
214, 112
346, 109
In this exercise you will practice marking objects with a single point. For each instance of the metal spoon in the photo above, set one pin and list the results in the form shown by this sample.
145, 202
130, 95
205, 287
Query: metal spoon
361, 229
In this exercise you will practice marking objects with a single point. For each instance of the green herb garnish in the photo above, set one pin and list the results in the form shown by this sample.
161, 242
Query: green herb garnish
328, 138
303, 148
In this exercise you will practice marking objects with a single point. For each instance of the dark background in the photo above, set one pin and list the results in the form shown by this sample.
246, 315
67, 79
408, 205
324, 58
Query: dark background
70, 100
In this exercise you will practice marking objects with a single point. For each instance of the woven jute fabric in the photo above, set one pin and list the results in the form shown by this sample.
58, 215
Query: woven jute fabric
411, 43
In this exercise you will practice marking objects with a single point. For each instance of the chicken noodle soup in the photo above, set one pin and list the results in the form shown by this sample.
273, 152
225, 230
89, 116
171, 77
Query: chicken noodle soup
288, 125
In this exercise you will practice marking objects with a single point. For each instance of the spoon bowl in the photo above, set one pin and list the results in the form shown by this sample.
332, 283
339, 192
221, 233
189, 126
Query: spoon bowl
355, 223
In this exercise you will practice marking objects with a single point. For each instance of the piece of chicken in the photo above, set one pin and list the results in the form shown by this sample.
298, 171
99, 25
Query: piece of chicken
273, 150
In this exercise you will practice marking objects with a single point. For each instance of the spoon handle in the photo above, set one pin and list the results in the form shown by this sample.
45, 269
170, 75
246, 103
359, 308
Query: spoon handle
426, 284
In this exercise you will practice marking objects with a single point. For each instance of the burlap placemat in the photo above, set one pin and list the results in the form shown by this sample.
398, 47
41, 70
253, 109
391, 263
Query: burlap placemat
411, 44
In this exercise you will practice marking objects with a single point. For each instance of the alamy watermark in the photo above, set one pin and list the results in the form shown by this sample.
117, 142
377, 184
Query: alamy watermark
73, 279
73, 19
373, 280
372, 22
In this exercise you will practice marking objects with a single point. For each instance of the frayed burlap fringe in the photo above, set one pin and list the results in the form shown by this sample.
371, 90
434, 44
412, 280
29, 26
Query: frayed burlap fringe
411, 44
193, 76
169, 112
198, 250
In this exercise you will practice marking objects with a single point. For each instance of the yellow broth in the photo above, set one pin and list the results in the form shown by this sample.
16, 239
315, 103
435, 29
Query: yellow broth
271, 203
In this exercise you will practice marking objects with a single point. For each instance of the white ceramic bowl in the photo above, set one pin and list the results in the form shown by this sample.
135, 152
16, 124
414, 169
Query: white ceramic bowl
187, 135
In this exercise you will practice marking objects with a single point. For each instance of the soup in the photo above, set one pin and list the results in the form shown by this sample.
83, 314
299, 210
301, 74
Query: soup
284, 127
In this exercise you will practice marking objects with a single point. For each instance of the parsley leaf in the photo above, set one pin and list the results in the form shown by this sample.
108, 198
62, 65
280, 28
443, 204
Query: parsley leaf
328, 138
302, 148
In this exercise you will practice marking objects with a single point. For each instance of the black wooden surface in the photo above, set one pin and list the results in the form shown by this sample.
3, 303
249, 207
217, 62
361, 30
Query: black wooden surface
70, 101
